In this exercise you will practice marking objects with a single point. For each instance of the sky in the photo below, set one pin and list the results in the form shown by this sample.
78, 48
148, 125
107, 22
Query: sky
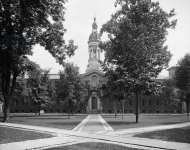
78, 22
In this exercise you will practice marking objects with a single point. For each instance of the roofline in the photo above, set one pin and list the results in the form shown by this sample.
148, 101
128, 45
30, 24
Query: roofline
91, 72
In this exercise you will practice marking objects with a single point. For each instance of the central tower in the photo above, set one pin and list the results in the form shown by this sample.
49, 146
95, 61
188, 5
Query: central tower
93, 49
93, 78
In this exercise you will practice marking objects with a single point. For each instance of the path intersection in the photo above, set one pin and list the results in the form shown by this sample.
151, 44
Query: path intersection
94, 129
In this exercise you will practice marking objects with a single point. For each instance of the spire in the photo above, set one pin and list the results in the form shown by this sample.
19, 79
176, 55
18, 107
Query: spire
94, 37
94, 25
94, 52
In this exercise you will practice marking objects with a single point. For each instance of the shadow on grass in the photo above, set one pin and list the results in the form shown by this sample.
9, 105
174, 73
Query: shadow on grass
15, 135
169, 123
176, 135
121, 123
49, 118
112, 116
64, 123
93, 146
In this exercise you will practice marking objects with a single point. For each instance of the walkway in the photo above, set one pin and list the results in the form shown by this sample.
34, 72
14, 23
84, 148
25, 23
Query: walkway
93, 124
94, 129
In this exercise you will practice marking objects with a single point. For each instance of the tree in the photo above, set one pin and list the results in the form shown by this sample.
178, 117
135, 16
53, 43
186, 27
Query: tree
135, 47
69, 86
45, 89
43, 92
110, 89
24, 23
114, 89
38, 83
182, 79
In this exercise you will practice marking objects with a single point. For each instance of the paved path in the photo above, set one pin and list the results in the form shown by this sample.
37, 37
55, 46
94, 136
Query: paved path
93, 124
94, 129
132, 131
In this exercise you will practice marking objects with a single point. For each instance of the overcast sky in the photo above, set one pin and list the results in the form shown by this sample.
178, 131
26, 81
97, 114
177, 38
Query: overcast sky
79, 18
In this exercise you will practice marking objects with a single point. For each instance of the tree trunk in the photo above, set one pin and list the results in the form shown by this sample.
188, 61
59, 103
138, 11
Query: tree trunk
115, 109
6, 109
123, 108
187, 107
137, 108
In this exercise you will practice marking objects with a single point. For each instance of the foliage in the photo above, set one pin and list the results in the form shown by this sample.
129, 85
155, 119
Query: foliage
135, 47
114, 89
39, 86
182, 79
68, 87
170, 94
34, 75
182, 75
20, 91
24, 23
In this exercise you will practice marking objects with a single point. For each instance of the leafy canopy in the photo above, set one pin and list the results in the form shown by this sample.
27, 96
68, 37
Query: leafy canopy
24, 23
135, 47
182, 75
69, 86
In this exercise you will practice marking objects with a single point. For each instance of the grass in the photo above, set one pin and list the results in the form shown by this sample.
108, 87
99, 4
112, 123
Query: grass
145, 120
62, 121
93, 146
50, 120
8, 135
176, 135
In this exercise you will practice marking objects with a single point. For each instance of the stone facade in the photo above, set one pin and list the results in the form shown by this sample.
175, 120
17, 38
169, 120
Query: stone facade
93, 78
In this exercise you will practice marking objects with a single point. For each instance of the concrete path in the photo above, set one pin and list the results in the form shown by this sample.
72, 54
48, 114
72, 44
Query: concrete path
132, 131
93, 124
94, 129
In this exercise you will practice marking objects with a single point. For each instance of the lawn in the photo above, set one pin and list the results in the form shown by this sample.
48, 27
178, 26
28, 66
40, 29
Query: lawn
63, 122
128, 120
176, 135
60, 121
8, 135
93, 146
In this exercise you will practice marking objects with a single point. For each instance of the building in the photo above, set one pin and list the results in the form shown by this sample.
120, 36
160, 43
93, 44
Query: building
93, 78
93, 100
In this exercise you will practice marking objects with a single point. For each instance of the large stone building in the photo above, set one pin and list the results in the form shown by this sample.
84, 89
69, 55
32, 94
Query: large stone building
94, 102
93, 78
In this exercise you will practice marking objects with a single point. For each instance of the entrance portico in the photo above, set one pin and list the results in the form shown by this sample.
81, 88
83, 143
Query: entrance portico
94, 104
